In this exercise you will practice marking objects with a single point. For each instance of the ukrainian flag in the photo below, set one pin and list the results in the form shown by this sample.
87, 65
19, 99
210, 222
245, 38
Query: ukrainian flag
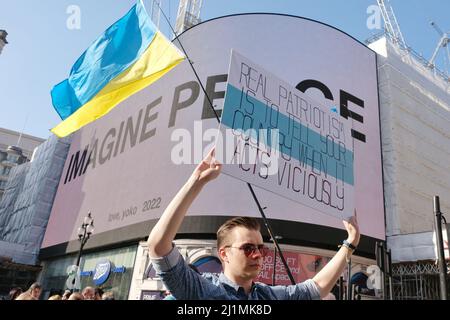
129, 56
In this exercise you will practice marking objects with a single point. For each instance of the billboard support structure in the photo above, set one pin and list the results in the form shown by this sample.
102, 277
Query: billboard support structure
261, 210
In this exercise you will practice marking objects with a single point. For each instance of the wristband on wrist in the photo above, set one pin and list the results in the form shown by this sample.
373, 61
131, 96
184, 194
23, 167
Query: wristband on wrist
351, 248
347, 244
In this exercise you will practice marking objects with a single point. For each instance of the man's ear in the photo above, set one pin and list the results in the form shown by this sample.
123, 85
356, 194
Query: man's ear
223, 255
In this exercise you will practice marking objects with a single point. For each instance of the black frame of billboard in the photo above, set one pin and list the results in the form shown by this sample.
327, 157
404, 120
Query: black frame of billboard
205, 227
277, 14
381, 149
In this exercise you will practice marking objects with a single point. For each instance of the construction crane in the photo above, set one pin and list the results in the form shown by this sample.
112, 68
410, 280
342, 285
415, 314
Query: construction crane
188, 15
156, 12
392, 30
443, 42
391, 25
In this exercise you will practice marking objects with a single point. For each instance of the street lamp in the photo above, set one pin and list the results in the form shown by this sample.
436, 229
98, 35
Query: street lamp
275, 259
84, 232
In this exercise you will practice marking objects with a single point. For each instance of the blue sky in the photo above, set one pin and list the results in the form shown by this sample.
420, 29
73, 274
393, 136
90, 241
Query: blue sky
42, 48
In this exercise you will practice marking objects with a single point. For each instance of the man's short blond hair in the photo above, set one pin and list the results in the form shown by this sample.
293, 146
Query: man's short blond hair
229, 225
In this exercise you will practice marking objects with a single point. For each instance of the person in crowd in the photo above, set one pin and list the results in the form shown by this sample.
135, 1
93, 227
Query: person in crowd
55, 297
14, 293
66, 295
76, 296
32, 293
241, 250
108, 295
98, 293
168, 295
88, 293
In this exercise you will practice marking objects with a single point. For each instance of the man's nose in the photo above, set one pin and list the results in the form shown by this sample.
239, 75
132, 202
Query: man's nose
256, 254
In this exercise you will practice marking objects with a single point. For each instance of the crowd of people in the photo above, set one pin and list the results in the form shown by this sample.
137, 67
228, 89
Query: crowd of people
35, 290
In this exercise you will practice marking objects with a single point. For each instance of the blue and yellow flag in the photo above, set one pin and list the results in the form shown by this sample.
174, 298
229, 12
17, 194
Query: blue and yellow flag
129, 56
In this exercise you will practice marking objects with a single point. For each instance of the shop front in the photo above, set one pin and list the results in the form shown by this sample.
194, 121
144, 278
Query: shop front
110, 270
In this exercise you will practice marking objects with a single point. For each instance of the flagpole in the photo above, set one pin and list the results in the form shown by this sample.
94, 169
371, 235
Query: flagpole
261, 210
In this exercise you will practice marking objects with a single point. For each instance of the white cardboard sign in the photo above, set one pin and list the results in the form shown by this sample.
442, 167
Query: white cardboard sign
285, 142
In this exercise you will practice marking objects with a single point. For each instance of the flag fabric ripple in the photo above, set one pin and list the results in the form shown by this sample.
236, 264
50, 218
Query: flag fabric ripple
129, 56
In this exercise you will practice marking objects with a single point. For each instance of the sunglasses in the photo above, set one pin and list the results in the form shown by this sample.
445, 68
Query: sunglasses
250, 249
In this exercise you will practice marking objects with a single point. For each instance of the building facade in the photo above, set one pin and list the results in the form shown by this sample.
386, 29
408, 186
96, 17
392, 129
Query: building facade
415, 118
15, 149
24, 212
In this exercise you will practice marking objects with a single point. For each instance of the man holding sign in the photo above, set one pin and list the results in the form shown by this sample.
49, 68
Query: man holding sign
240, 248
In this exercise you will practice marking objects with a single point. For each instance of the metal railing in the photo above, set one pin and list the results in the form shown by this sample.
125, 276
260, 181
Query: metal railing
414, 54
416, 281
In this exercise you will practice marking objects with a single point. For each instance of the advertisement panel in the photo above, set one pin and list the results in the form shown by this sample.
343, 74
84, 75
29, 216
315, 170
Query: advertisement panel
302, 266
127, 166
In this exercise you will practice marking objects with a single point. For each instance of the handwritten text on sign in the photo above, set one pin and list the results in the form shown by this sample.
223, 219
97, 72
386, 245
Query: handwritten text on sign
285, 142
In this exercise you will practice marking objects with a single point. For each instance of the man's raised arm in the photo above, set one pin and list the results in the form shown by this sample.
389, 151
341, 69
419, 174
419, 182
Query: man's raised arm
162, 235
327, 277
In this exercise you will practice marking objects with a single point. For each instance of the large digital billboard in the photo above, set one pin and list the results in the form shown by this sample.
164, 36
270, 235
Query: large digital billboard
127, 166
